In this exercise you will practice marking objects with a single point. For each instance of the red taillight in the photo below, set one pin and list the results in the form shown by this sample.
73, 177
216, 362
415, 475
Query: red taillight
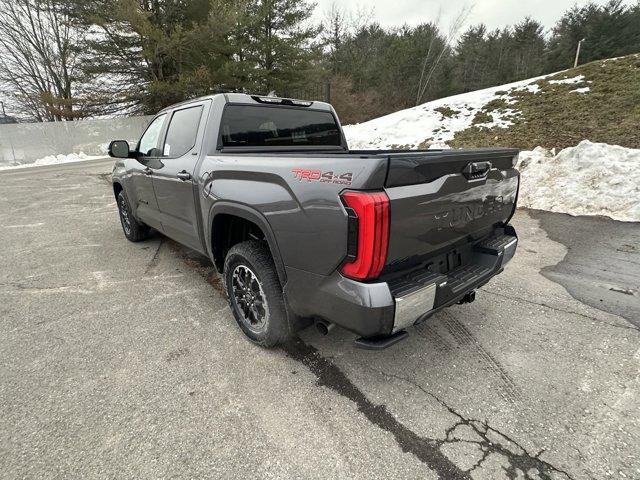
371, 211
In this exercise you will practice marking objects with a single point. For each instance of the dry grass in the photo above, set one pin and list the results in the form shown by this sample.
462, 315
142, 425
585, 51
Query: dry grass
447, 112
558, 117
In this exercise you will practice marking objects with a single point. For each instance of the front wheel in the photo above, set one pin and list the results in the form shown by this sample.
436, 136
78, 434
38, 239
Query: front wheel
255, 294
134, 230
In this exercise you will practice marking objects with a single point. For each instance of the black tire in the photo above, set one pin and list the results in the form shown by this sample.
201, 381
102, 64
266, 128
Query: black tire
134, 230
263, 300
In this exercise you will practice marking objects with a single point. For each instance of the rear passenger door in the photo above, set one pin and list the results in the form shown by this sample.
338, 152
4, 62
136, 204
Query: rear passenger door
174, 181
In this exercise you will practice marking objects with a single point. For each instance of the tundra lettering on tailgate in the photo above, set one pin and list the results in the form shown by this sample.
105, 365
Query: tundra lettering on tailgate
322, 177
459, 216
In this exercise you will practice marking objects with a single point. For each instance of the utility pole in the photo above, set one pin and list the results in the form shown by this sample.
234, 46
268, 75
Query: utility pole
575, 64
4, 114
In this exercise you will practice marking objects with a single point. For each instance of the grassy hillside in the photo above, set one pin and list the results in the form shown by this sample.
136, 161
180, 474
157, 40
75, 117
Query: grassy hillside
599, 101
559, 116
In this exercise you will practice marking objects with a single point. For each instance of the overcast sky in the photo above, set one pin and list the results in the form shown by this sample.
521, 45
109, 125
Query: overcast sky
493, 13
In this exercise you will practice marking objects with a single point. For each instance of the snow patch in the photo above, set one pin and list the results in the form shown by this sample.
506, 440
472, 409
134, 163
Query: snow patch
531, 88
581, 90
615, 59
60, 158
568, 81
589, 179
424, 126
55, 160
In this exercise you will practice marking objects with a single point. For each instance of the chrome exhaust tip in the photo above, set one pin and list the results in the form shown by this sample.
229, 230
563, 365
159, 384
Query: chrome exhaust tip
324, 327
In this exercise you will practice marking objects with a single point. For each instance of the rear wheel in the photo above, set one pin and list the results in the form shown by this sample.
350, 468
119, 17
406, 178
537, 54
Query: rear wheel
134, 230
255, 294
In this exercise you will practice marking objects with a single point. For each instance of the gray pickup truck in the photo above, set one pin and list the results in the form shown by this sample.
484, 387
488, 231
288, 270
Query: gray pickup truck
304, 229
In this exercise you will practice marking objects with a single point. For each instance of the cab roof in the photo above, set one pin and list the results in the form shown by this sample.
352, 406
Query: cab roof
249, 99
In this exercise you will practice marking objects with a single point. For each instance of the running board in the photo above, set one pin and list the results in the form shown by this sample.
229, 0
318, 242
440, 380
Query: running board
380, 343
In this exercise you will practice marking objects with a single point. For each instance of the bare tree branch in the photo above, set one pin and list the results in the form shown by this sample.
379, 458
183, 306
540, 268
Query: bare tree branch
38, 60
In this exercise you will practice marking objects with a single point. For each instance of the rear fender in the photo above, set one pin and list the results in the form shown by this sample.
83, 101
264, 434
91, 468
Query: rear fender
252, 215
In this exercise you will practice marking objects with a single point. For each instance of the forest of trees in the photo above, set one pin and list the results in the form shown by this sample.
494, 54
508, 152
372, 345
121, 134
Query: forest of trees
72, 59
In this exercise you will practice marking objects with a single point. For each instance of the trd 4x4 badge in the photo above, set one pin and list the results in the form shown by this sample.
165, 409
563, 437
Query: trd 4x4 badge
322, 177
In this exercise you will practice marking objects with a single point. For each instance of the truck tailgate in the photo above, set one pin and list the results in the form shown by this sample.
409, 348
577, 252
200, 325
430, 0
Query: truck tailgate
442, 199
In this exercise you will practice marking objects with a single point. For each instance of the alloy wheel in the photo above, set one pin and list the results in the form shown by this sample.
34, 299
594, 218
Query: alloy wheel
124, 215
249, 298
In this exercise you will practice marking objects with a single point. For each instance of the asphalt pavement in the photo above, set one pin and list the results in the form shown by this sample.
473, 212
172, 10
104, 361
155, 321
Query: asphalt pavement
122, 360
602, 265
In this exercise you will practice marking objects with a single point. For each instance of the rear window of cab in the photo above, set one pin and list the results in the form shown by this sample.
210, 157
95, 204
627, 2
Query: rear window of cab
260, 126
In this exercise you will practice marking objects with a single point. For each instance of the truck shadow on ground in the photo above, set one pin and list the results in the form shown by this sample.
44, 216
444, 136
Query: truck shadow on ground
444, 337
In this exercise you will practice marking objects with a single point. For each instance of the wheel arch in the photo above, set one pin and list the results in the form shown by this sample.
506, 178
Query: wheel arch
117, 188
219, 217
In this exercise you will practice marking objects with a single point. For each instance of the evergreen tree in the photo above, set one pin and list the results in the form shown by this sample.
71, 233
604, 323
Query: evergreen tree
277, 45
485, 59
609, 31
527, 50
334, 33
143, 55
138, 56
472, 59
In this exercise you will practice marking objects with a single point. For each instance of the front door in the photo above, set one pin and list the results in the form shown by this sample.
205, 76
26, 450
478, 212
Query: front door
174, 182
148, 155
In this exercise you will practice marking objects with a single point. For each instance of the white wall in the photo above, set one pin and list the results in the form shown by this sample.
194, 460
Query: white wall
27, 142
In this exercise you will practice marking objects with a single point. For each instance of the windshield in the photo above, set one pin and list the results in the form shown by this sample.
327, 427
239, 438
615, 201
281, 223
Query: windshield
258, 126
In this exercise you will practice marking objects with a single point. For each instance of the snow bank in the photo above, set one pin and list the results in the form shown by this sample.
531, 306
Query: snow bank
424, 125
55, 159
589, 179
70, 157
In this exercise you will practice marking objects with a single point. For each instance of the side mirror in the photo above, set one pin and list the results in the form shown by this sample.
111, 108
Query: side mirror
154, 152
119, 149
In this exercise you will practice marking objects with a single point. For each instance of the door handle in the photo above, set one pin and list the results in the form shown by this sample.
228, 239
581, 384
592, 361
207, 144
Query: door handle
147, 171
184, 175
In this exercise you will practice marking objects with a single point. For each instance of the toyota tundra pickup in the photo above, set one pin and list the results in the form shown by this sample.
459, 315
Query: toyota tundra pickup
303, 229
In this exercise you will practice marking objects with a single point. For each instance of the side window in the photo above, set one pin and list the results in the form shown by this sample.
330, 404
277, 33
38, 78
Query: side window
182, 131
149, 141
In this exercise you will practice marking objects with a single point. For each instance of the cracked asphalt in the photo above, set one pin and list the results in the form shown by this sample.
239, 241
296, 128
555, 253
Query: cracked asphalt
122, 360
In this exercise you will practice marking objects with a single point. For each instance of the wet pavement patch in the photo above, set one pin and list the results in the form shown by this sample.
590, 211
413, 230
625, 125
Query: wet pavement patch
602, 267
484, 438
427, 450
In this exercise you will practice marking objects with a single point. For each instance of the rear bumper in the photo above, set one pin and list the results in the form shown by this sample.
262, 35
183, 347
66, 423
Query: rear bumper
382, 309
364, 308
420, 294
